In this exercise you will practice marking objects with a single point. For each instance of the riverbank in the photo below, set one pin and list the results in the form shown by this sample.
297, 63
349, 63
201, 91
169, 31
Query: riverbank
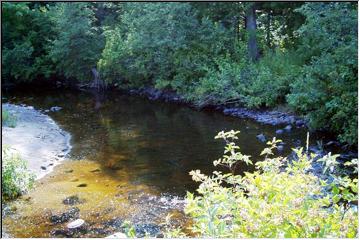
271, 117
37, 138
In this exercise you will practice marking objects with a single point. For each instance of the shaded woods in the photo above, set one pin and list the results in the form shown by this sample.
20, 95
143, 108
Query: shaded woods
298, 55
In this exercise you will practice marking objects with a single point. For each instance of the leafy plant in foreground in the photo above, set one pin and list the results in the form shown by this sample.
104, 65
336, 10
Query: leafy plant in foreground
16, 178
278, 200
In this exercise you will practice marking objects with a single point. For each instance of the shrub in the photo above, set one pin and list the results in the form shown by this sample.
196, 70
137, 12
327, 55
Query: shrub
8, 119
16, 178
279, 199
326, 89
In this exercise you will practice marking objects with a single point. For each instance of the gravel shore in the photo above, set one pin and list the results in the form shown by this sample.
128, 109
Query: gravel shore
37, 138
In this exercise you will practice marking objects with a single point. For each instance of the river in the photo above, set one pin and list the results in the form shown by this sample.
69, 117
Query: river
130, 160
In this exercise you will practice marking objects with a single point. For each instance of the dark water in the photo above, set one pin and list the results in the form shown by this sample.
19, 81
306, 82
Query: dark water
138, 154
159, 143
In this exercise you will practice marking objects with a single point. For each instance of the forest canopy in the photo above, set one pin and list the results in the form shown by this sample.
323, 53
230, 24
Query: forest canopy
301, 55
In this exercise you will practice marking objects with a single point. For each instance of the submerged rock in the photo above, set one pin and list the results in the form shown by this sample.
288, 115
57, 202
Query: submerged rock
72, 200
288, 128
82, 185
151, 229
279, 131
55, 109
261, 137
299, 123
66, 216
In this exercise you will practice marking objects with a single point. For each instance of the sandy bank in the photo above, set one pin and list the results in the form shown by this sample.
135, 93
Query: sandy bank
37, 138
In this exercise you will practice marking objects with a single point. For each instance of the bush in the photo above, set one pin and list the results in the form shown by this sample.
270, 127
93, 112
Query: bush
326, 89
278, 200
16, 178
8, 119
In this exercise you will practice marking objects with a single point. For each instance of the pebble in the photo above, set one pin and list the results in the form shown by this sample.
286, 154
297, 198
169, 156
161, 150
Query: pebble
75, 224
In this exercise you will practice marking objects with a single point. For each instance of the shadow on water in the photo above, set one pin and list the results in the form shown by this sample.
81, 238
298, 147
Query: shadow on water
132, 154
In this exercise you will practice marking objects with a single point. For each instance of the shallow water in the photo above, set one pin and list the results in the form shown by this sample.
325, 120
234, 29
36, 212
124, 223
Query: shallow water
133, 157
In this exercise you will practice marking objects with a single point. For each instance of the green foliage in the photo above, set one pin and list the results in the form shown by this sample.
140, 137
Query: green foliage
78, 44
8, 119
278, 200
326, 89
26, 32
307, 52
16, 179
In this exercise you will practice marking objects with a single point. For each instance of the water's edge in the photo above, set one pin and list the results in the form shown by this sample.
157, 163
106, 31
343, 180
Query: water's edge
52, 138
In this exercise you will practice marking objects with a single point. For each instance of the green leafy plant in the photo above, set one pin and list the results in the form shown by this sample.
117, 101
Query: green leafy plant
280, 199
16, 179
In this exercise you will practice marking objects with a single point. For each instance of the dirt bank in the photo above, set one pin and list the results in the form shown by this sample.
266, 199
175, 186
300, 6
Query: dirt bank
37, 138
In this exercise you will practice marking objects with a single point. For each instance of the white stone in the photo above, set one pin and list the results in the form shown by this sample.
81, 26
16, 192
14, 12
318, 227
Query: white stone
75, 224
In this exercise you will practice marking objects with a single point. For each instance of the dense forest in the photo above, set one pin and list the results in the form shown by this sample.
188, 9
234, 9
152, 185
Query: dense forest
298, 56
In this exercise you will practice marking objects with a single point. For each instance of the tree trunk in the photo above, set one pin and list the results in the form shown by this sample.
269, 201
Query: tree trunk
250, 20
268, 25
98, 84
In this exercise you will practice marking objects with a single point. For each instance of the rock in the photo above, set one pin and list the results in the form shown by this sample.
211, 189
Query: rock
43, 167
147, 228
117, 235
55, 109
299, 123
82, 185
114, 223
69, 171
72, 200
61, 232
66, 216
280, 148
297, 143
99, 232
330, 143
229, 111
261, 137
95, 170
279, 131
75, 224
288, 128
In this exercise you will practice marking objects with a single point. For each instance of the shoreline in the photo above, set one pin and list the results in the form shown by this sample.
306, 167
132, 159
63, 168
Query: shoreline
263, 116
37, 138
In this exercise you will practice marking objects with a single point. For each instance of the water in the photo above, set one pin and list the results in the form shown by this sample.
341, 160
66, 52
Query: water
134, 156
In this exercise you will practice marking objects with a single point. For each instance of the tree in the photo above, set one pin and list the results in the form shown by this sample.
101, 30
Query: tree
26, 32
78, 44
250, 23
